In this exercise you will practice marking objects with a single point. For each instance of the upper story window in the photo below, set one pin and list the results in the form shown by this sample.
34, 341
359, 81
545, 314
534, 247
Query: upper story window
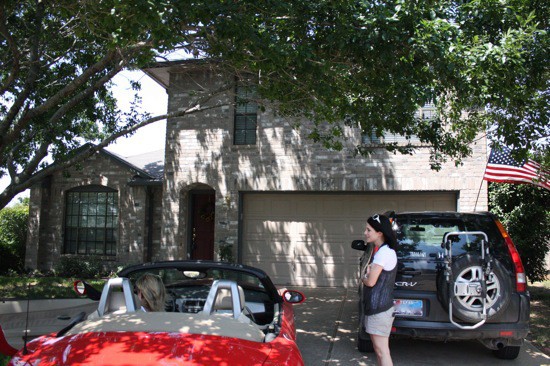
426, 112
246, 115
91, 221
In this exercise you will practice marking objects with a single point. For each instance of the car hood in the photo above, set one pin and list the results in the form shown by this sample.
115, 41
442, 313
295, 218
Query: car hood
142, 348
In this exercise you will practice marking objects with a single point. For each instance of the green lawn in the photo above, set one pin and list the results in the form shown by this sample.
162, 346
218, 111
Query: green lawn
41, 287
539, 333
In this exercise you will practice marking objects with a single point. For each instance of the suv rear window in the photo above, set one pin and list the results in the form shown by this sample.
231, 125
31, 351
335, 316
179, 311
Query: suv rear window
421, 235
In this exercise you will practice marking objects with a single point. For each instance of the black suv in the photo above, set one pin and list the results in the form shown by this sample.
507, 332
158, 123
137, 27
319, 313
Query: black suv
459, 277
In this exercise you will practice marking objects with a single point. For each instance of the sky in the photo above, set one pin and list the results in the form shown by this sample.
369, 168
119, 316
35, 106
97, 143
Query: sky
154, 100
146, 139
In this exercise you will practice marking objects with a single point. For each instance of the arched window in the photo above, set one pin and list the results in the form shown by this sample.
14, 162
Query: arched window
91, 221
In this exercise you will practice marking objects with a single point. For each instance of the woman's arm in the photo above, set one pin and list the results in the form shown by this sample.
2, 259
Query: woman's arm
373, 272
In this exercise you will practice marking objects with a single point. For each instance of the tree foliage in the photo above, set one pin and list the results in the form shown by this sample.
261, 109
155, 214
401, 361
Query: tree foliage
367, 64
524, 210
13, 235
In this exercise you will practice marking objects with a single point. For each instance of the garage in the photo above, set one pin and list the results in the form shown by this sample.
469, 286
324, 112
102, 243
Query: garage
305, 239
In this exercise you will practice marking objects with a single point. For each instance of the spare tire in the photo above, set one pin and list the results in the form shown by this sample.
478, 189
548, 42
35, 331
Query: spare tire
467, 271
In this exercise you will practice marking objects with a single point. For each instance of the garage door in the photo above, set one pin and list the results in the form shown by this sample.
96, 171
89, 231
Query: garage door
305, 239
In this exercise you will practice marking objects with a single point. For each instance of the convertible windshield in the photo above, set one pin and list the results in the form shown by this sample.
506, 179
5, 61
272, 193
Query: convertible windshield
189, 287
178, 276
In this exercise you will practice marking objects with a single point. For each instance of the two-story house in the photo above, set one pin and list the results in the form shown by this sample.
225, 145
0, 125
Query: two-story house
240, 183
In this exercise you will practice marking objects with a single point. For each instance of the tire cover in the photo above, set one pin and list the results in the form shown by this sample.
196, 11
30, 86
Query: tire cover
468, 270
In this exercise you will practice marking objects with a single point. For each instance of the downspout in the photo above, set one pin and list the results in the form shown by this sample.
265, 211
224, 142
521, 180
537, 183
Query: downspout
150, 222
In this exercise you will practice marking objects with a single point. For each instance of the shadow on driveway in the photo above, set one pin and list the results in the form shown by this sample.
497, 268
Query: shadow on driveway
327, 334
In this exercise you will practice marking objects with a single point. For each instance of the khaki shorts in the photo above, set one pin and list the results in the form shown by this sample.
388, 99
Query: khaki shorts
380, 324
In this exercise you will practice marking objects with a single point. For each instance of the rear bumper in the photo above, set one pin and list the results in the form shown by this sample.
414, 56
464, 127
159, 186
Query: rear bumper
446, 331
493, 334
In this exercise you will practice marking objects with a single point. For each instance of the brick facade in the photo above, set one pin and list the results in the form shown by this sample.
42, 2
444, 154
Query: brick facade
200, 155
200, 152
47, 212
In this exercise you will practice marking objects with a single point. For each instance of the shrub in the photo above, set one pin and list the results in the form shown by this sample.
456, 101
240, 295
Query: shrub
524, 211
225, 252
13, 236
79, 267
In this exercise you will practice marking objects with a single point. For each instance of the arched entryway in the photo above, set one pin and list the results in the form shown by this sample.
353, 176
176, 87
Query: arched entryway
202, 219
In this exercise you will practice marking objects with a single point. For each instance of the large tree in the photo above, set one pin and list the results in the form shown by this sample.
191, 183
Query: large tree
369, 64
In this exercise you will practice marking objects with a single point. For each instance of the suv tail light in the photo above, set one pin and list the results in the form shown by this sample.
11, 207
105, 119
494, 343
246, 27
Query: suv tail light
521, 280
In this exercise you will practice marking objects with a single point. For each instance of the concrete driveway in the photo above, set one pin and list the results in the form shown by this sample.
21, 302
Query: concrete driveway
327, 329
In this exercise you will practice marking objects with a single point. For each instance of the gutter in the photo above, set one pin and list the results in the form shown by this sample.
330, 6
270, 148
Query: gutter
150, 221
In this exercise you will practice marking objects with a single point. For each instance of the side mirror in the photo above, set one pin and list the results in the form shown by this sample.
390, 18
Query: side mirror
79, 287
293, 297
83, 288
359, 245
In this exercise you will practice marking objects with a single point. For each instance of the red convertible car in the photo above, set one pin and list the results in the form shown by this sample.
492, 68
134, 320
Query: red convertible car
215, 314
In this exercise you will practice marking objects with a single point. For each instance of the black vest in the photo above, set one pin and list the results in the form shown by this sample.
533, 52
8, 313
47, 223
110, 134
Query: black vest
379, 298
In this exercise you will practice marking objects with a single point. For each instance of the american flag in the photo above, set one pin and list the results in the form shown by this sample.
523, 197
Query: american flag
503, 168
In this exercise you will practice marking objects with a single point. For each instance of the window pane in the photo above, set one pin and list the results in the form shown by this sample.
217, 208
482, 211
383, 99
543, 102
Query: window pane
240, 137
240, 123
111, 210
246, 110
241, 107
100, 235
88, 212
250, 123
92, 209
84, 209
250, 137
101, 209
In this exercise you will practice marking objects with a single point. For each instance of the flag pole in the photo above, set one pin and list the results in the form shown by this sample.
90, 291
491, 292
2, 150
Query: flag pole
481, 185
479, 190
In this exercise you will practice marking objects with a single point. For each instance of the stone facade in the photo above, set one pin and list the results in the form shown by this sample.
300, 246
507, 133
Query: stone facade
200, 152
200, 156
47, 212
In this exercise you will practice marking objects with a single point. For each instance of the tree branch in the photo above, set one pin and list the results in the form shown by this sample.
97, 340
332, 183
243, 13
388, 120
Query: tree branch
13, 134
116, 57
10, 117
15, 66
85, 93
23, 180
39, 155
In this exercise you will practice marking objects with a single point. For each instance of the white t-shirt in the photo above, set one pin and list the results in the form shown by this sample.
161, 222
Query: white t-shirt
385, 257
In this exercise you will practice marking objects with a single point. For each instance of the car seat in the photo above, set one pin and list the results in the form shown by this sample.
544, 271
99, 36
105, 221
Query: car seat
117, 297
226, 298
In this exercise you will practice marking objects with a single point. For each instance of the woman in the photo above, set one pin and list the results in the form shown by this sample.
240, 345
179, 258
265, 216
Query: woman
151, 292
380, 280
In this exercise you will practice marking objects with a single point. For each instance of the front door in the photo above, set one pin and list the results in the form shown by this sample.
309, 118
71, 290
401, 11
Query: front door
202, 224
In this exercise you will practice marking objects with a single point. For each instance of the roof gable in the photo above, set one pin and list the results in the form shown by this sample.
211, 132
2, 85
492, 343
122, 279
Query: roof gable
147, 167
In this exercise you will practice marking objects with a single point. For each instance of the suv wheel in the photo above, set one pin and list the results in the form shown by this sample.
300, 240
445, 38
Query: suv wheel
507, 353
468, 271
364, 343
